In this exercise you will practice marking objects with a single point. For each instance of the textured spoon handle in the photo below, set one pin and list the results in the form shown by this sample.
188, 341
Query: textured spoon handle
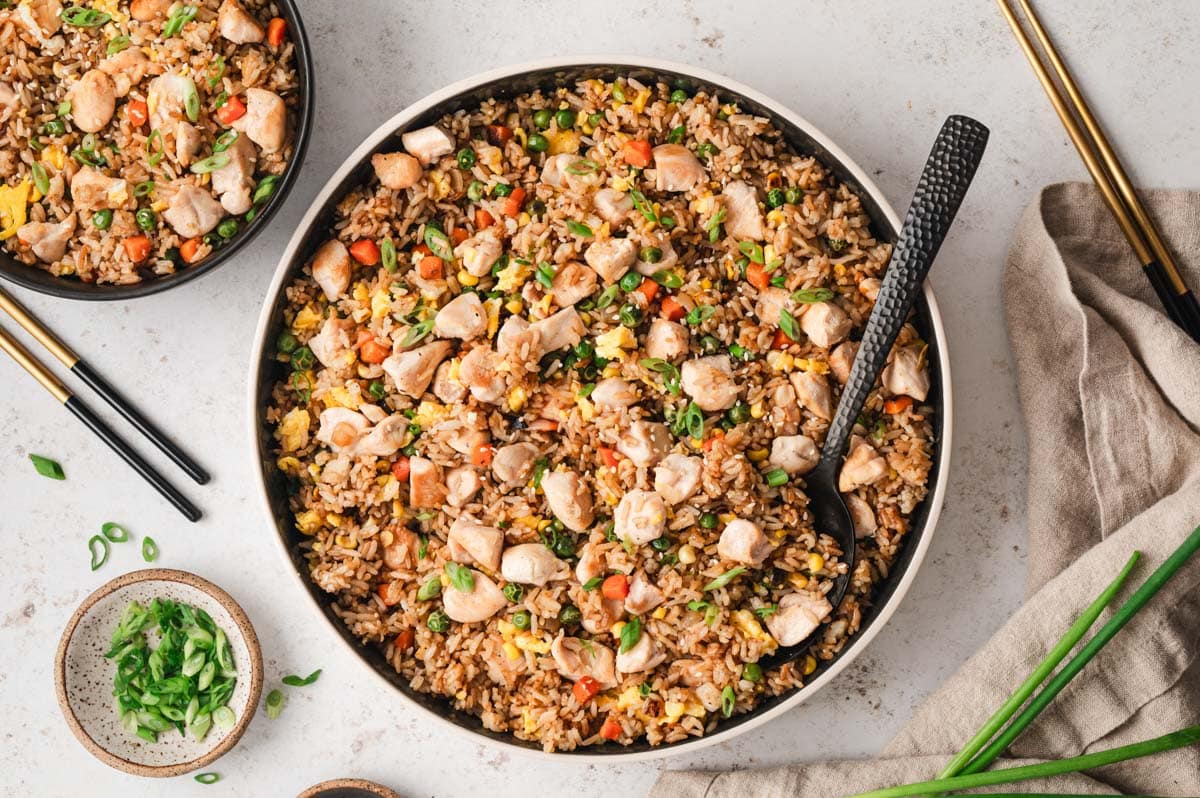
940, 191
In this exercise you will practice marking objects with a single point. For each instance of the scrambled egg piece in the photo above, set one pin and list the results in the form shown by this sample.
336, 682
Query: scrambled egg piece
307, 318
563, 141
293, 430
513, 276
340, 397
430, 413
13, 200
612, 344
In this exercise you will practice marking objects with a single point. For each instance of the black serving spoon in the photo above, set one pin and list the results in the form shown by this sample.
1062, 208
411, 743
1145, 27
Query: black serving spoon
948, 172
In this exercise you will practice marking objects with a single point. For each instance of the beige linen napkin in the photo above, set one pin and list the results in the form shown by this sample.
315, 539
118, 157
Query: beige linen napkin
1111, 396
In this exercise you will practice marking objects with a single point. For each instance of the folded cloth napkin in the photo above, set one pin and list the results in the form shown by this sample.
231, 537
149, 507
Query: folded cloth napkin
1111, 397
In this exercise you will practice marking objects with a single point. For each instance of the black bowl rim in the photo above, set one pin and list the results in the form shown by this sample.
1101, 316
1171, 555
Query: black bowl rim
431, 107
43, 282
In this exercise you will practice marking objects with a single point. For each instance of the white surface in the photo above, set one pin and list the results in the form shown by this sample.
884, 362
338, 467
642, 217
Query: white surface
877, 77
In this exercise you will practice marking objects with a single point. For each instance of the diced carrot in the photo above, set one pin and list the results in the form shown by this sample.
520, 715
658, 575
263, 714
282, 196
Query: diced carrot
483, 219
636, 153
138, 248
430, 267
672, 310
481, 453
498, 134
609, 456
781, 340
514, 201
610, 729
365, 251
897, 404
422, 249
400, 469
585, 689
648, 289
717, 435
138, 112
276, 31
757, 275
459, 235
390, 592
404, 640
188, 249
374, 351
233, 110
615, 587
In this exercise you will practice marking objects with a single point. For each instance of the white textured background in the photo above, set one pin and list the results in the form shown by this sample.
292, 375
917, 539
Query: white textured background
877, 76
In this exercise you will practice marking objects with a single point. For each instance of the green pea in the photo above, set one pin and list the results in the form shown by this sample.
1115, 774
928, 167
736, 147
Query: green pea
706, 150
466, 158
741, 352
146, 219
286, 343
667, 222
677, 134
377, 390
595, 119
102, 219
679, 96
739, 413
709, 344
228, 228
570, 615
502, 190
537, 143
565, 119
708, 521
521, 619
752, 672
537, 208
630, 281
514, 592
630, 315
650, 254
438, 621
542, 117
661, 544
775, 197
475, 191
792, 196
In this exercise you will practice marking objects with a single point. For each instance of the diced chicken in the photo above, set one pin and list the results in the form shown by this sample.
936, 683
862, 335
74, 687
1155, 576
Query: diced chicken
166, 98
193, 211
558, 173
92, 190
93, 101
841, 360
411, 371
332, 343
645, 655
374, 413
331, 269
710, 696
795, 454
666, 258
870, 288
9, 98
825, 324
480, 252
462, 484
532, 564
462, 317
785, 413
187, 144
48, 241
428, 143
601, 621
666, 340
812, 390
863, 466
572, 283
743, 218
677, 477
513, 464
341, 428
460, 435
484, 601
743, 541
862, 515
611, 258
426, 488
614, 393
559, 331
612, 206
676, 168
645, 443
798, 616
516, 339
385, 438
478, 370
577, 658
709, 381
446, 387
569, 499
471, 542
643, 596
237, 25
42, 18
265, 120
397, 170
592, 563
907, 374
234, 180
402, 551
640, 517
149, 10
770, 305
128, 68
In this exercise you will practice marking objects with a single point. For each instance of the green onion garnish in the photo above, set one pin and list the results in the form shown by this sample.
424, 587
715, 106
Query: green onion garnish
274, 704
699, 314
668, 279
114, 532
85, 17
461, 577
47, 467
787, 323
40, 178
154, 147
631, 633
608, 296
713, 226
728, 701
143, 189
99, 549
191, 101
643, 205
776, 477
265, 189
297, 681
149, 549
208, 778
545, 275
225, 141
117, 44
387, 252
181, 16
210, 164
579, 228
583, 167
593, 583
811, 296
438, 243
767, 611
725, 578
216, 72
417, 332
430, 589
751, 250
539, 470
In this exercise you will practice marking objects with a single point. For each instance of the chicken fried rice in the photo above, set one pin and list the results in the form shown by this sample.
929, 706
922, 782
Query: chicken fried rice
138, 137
557, 372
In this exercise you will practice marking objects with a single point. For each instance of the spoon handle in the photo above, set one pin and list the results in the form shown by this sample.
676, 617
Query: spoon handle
947, 174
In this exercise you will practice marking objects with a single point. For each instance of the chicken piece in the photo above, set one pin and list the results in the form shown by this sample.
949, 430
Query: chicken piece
573, 282
517, 340
667, 256
569, 499
48, 241
709, 381
645, 443
187, 144
577, 658
426, 488
480, 252
166, 99
385, 438
462, 317
265, 120
870, 288
677, 477
841, 360
643, 596
93, 101
473, 543
460, 435
743, 541
771, 304
611, 258
128, 68
812, 390
563, 329
462, 484
601, 622
614, 393
666, 340
446, 387
92, 190
411, 371
484, 601
825, 324
331, 269
795, 454
557, 173
235, 180
237, 25
612, 206
512, 464
341, 428
42, 18
743, 218
862, 515
863, 466
640, 517
428, 143
645, 655
397, 170
532, 564
478, 370
149, 10
676, 168
592, 563
785, 413
798, 616
402, 551
9, 98
907, 374
332, 343
193, 211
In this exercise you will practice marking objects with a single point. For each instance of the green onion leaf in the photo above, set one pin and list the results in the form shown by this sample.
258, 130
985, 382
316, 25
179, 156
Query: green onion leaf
579, 228
117, 44
711, 613
210, 164
696, 606
274, 704
417, 332
767, 611
191, 101
438, 243
728, 701
539, 470
154, 147
713, 225
387, 252
296, 681
811, 296
99, 548
608, 296
85, 17
216, 72
115, 532
431, 588
225, 141
642, 204
668, 279
631, 633
545, 275
725, 578
265, 189
47, 467
699, 314
461, 577
583, 167
224, 717
751, 250
182, 16
593, 583
143, 189
789, 325
208, 778
40, 178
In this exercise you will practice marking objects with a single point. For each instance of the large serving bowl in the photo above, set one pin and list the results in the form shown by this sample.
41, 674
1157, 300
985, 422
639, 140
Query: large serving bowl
69, 288
506, 82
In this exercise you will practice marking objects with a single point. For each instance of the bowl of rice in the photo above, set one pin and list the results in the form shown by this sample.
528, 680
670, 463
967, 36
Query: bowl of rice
534, 393
144, 142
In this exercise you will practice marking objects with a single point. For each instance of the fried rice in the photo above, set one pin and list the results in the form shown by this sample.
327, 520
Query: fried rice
556, 375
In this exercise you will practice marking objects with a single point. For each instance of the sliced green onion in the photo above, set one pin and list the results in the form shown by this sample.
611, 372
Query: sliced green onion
579, 228
643, 205
208, 778
583, 166
82, 17
607, 297
631, 633
297, 681
465, 158
438, 621
539, 470
265, 189
789, 325
668, 279
431, 588
47, 467
692, 420
154, 147
63, 109
387, 253
224, 717
461, 577
143, 189
191, 101
593, 583
181, 17
216, 72
728, 701
225, 141
99, 549
438, 243
274, 704
677, 134
751, 250
210, 164
767, 611
699, 314
417, 332
115, 533
713, 226
40, 179
811, 296
149, 549
545, 275
117, 44
725, 578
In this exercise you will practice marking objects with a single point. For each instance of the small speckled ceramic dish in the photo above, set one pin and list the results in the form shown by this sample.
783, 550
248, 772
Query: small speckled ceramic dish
84, 678
348, 788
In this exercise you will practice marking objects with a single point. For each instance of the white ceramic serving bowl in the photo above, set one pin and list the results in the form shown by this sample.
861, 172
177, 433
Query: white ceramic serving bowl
548, 73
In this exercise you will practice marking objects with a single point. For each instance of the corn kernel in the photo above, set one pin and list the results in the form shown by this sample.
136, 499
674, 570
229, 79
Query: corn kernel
659, 614
517, 398
810, 664
616, 628
775, 217
345, 541
757, 455
757, 410
514, 306
528, 642
706, 283
727, 518
511, 651
815, 562
687, 554
466, 278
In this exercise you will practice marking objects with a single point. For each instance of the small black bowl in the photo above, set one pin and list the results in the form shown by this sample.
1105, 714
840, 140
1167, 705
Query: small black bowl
36, 279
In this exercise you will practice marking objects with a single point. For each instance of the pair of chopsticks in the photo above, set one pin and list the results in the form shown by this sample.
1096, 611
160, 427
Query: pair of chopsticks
108, 393
1108, 174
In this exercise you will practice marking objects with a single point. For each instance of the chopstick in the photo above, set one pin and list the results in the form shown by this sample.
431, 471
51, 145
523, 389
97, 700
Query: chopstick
65, 355
56, 388
1108, 174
